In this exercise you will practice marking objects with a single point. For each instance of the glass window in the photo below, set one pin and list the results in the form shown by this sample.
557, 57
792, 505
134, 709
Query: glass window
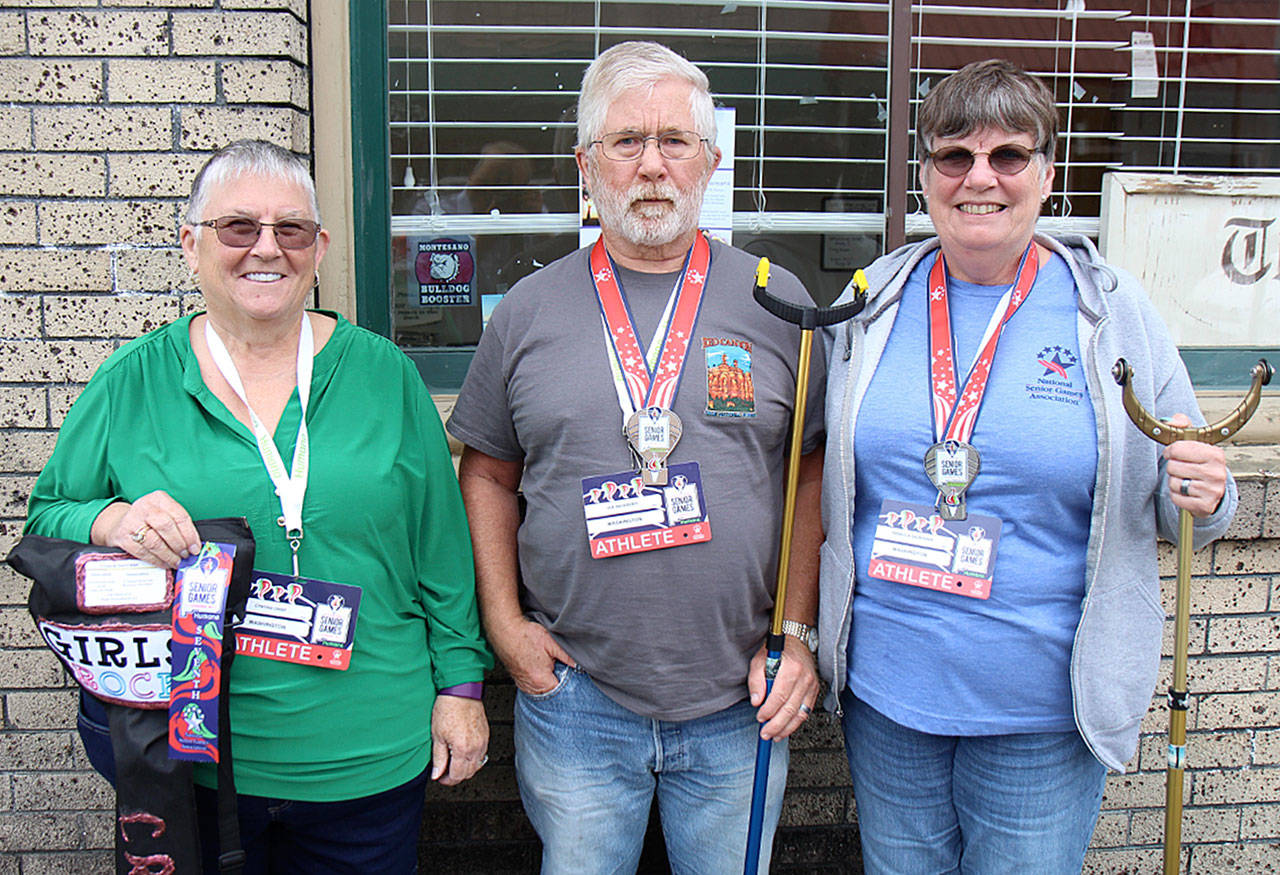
484, 189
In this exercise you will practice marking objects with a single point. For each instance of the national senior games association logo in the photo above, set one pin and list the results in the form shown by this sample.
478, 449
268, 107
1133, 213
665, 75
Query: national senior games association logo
1056, 381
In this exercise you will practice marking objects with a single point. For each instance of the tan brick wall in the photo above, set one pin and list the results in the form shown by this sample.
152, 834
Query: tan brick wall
1231, 790
106, 112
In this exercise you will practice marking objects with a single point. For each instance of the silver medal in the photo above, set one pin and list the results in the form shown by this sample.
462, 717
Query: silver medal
951, 466
653, 434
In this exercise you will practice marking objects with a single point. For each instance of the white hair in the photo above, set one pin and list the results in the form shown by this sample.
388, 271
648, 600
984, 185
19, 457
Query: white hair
639, 64
257, 157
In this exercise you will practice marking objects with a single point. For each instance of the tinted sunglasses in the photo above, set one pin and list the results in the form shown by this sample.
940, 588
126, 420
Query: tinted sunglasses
1007, 160
240, 231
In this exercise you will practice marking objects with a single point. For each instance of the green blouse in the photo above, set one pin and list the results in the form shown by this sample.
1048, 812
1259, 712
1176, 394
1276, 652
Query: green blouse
382, 512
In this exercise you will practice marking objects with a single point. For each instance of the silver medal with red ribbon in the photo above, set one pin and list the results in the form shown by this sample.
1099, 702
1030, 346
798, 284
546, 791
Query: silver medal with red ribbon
651, 427
953, 462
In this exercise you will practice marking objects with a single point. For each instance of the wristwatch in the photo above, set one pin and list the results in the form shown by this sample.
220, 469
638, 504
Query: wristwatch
807, 634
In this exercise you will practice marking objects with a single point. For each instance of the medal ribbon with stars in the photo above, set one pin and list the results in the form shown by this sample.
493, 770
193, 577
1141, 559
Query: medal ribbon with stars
952, 421
651, 384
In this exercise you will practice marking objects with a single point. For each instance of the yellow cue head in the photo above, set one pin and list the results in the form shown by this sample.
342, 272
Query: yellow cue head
762, 273
860, 280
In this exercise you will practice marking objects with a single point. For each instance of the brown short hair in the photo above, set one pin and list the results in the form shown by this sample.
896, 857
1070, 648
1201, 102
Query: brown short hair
988, 94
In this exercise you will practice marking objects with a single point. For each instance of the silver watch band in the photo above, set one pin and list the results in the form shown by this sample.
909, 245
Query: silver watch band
806, 633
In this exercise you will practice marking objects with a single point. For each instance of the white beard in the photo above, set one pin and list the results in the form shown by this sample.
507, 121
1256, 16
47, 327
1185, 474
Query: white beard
643, 224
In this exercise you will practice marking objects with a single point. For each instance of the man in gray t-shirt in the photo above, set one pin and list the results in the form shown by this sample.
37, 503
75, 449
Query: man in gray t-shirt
631, 602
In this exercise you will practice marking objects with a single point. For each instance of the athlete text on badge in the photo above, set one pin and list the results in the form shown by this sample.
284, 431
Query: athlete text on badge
974, 587
274, 648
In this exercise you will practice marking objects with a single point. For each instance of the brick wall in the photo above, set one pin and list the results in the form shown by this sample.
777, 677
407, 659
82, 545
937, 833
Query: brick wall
105, 113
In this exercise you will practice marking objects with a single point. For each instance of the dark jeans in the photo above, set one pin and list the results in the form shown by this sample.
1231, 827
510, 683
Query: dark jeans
375, 834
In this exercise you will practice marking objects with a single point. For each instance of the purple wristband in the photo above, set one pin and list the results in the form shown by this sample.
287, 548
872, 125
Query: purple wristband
470, 690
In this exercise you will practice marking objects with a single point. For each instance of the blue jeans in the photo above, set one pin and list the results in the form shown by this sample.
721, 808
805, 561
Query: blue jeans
588, 768
969, 804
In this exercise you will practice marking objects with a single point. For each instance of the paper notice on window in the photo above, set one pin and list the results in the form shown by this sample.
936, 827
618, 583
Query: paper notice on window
1145, 80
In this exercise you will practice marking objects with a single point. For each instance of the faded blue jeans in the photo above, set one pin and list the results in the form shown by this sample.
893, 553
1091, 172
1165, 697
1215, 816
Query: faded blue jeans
978, 805
588, 770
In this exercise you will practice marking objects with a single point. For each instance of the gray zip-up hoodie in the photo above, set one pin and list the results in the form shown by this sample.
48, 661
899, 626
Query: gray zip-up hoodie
1116, 652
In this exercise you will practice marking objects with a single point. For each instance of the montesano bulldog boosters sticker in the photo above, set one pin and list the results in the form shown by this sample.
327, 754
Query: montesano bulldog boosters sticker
730, 391
445, 268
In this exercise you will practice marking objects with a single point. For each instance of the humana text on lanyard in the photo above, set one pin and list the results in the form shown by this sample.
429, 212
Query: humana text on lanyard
646, 383
291, 487
952, 462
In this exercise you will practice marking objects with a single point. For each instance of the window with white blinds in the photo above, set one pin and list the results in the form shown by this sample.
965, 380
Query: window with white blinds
482, 128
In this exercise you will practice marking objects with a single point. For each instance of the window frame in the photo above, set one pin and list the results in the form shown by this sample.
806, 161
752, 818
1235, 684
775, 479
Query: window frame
443, 368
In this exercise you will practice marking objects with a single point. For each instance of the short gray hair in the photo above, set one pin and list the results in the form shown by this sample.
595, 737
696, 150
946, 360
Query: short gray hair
988, 94
638, 64
257, 157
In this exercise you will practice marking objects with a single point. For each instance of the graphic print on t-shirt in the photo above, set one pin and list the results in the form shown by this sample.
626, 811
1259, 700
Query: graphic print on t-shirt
730, 391
1059, 376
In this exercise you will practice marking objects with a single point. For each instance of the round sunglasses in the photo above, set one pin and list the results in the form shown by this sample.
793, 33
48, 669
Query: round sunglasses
1007, 160
241, 231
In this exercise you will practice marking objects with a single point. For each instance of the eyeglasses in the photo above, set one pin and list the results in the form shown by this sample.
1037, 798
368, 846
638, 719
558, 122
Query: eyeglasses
241, 231
1007, 160
629, 145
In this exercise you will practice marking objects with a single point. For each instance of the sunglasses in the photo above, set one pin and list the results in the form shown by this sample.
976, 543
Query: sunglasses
240, 231
1007, 160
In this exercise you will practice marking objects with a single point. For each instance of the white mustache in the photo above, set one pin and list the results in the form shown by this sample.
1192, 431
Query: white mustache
653, 193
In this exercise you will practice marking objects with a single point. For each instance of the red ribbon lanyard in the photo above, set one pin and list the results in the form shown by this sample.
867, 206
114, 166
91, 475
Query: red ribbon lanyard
657, 387
952, 421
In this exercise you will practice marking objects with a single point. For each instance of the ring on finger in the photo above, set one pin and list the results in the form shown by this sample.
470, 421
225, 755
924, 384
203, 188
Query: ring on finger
140, 533
805, 710
1185, 488
484, 759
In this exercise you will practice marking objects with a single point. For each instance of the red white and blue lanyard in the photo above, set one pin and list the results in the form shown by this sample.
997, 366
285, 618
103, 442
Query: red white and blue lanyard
649, 379
952, 420
291, 487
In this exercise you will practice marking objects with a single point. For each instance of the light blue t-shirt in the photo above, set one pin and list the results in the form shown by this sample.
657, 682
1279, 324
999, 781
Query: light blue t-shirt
949, 664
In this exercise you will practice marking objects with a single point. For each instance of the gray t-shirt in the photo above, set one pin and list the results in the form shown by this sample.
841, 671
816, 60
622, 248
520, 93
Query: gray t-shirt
666, 633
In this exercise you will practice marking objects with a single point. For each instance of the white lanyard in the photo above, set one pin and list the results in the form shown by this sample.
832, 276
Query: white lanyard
651, 355
651, 378
292, 487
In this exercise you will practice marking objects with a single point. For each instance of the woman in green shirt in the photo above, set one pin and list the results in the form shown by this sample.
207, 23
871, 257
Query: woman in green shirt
347, 485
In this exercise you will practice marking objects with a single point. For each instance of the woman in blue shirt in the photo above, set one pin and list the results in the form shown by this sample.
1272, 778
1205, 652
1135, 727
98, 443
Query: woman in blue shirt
992, 652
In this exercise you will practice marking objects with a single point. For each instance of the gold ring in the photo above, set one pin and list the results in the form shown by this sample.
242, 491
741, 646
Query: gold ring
140, 534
